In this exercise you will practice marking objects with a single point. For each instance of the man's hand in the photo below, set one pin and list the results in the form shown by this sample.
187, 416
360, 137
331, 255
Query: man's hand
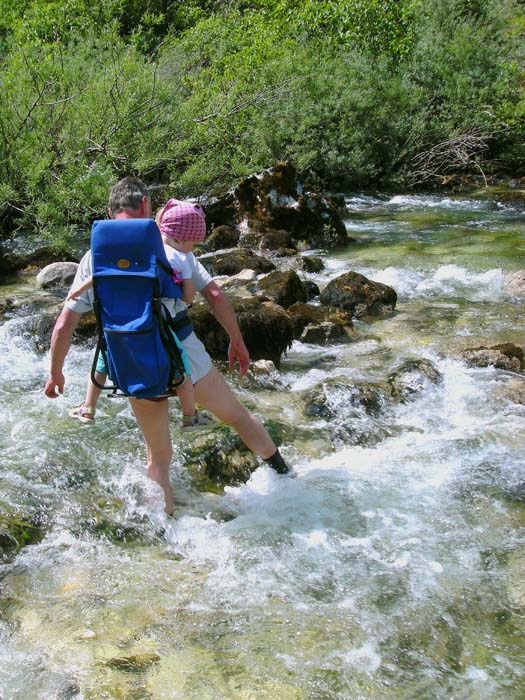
54, 383
237, 350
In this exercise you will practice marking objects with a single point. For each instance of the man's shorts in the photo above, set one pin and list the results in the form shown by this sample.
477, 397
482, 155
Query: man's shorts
197, 362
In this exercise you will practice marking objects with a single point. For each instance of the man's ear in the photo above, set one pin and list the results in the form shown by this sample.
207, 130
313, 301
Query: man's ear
145, 207
110, 213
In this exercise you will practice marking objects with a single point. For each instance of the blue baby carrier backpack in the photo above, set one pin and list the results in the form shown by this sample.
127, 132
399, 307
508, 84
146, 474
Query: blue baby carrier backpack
131, 274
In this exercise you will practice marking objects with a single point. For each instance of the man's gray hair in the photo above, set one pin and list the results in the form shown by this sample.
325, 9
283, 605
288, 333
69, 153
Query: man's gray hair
127, 194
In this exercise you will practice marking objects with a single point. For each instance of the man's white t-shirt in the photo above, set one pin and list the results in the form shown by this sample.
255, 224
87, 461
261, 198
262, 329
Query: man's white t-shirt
193, 270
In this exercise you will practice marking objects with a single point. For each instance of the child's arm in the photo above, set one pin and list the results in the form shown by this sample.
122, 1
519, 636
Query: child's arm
188, 291
75, 293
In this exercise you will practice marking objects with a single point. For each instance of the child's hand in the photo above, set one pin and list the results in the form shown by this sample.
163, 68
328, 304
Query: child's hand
73, 295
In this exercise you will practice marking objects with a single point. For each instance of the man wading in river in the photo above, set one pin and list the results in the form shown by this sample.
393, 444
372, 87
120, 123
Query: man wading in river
129, 199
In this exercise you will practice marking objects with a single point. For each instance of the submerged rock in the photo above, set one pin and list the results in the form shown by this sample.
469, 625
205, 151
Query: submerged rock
515, 283
409, 379
307, 315
133, 662
325, 400
16, 533
503, 356
359, 295
515, 392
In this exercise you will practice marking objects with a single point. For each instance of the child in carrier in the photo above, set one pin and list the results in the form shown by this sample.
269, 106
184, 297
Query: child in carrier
192, 419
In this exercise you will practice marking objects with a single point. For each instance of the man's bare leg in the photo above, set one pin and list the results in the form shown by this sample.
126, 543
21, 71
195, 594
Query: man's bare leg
213, 393
152, 418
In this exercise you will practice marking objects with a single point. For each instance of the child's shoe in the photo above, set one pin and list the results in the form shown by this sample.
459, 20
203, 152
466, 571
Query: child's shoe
85, 414
199, 420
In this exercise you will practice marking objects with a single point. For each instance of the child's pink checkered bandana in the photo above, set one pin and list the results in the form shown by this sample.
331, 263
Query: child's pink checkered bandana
182, 221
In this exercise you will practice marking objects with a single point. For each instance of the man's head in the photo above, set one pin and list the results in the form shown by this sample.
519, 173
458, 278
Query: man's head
129, 198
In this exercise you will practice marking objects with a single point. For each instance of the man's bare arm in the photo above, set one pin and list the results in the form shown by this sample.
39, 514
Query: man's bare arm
225, 315
60, 342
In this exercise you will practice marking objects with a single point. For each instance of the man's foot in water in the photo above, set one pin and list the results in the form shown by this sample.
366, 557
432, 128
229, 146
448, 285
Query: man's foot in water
277, 463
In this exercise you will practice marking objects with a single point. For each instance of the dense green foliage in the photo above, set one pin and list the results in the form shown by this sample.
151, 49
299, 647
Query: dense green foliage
193, 94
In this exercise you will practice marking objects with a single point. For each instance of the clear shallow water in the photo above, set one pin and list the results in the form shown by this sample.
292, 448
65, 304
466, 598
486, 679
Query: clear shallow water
391, 568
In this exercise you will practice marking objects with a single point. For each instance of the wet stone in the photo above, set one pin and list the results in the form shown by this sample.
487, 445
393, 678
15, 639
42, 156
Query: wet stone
312, 263
325, 400
324, 333
303, 315
312, 290
235, 261
218, 458
16, 533
284, 288
60, 274
223, 237
505, 356
412, 377
266, 328
359, 295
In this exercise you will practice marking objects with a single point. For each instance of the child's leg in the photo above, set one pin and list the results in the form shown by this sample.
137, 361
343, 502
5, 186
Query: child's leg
93, 392
185, 394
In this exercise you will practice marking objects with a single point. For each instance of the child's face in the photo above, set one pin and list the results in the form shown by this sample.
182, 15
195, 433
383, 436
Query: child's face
184, 246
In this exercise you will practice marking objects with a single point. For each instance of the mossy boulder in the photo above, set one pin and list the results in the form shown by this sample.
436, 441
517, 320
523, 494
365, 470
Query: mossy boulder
223, 237
218, 458
284, 288
359, 295
303, 314
277, 199
312, 263
266, 328
17, 532
233, 262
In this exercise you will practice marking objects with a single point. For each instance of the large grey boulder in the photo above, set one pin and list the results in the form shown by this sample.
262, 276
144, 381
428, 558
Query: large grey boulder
58, 274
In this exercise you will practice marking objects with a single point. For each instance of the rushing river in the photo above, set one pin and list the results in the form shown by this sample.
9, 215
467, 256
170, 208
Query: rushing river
391, 568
